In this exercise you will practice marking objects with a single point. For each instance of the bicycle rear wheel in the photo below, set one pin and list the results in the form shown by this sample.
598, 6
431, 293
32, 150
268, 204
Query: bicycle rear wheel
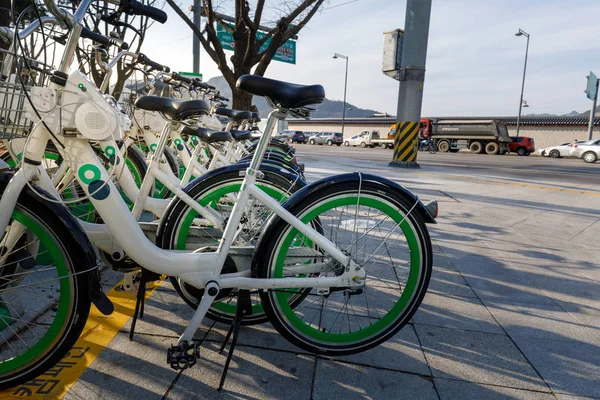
44, 297
217, 191
382, 231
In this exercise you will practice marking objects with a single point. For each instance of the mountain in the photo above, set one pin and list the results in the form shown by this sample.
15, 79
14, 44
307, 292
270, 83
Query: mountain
571, 114
587, 113
327, 109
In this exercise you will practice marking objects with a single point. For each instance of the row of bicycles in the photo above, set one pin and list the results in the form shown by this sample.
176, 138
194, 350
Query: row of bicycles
337, 266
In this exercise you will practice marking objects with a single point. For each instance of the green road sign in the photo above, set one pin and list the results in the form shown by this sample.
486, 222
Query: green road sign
592, 86
286, 53
191, 75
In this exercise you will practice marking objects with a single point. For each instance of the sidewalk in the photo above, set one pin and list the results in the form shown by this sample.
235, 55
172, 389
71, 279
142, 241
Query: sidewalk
512, 311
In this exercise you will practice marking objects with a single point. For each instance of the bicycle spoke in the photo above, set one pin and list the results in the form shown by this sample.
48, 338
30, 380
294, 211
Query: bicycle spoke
373, 238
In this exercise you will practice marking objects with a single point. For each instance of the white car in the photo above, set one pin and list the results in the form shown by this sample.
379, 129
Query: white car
589, 151
353, 141
559, 151
361, 140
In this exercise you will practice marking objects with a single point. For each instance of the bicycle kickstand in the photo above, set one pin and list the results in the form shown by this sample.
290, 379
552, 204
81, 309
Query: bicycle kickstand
146, 276
244, 309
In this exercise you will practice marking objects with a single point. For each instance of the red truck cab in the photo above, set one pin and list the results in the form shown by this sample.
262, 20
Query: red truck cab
424, 128
522, 145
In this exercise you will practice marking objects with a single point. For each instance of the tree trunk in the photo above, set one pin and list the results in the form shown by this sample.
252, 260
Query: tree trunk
118, 90
4, 20
241, 100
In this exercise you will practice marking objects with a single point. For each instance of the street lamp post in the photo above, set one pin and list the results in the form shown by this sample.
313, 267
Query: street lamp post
522, 33
335, 56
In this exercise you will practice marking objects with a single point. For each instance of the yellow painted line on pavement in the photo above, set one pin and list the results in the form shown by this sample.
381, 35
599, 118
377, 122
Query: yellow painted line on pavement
99, 330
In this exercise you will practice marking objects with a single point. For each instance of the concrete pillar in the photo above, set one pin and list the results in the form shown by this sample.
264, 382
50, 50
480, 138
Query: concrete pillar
412, 76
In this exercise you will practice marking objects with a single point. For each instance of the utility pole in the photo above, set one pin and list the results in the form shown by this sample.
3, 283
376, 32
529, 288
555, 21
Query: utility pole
593, 113
411, 77
196, 41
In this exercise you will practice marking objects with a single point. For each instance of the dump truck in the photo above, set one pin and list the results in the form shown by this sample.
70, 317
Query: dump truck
479, 136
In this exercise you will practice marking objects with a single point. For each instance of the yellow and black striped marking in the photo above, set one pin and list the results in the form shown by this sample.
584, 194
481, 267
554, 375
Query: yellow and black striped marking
405, 145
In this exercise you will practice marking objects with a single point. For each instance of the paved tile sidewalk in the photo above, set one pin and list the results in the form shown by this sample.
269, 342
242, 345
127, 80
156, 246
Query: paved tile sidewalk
513, 311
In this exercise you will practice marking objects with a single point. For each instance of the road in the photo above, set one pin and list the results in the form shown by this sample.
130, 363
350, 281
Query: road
532, 168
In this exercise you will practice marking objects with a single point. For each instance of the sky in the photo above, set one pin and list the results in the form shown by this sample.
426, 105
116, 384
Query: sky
474, 60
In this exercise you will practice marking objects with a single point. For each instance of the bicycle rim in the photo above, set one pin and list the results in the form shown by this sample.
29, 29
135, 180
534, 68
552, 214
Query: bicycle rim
36, 295
378, 235
188, 237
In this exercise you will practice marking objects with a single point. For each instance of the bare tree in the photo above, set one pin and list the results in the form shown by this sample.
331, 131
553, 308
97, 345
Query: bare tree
247, 47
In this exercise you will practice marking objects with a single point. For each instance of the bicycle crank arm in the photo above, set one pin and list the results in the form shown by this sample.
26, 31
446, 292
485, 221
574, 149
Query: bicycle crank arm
210, 293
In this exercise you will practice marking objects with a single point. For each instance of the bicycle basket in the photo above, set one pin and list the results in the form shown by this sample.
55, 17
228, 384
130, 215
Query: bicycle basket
13, 123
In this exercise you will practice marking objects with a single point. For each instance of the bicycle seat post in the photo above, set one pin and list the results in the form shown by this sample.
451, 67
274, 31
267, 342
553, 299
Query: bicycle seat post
265, 139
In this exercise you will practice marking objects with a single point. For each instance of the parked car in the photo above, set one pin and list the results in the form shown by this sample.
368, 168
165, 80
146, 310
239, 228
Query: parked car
328, 138
291, 136
312, 139
522, 145
370, 139
562, 150
354, 141
589, 150
307, 135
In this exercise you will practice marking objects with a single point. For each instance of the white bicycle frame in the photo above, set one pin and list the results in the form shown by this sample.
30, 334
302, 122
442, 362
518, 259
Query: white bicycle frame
201, 270
102, 238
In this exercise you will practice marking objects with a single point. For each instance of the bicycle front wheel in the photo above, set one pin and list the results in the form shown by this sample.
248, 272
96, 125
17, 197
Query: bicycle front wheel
382, 231
44, 301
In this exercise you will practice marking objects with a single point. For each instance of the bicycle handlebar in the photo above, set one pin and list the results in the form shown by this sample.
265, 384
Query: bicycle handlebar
203, 85
144, 60
134, 7
105, 40
183, 79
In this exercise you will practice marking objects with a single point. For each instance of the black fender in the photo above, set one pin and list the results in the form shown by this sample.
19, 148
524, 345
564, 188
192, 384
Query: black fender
333, 180
355, 177
240, 167
78, 235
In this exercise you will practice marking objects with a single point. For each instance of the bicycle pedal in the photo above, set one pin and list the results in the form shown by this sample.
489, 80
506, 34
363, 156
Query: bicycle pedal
183, 356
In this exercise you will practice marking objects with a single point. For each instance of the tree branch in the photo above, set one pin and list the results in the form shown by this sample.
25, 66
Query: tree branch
264, 58
260, 5
217, 54
210, 14
294, 31
285, 22
246, 15
225, 25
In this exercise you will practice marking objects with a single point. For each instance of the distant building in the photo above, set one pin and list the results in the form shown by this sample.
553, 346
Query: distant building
546, 130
